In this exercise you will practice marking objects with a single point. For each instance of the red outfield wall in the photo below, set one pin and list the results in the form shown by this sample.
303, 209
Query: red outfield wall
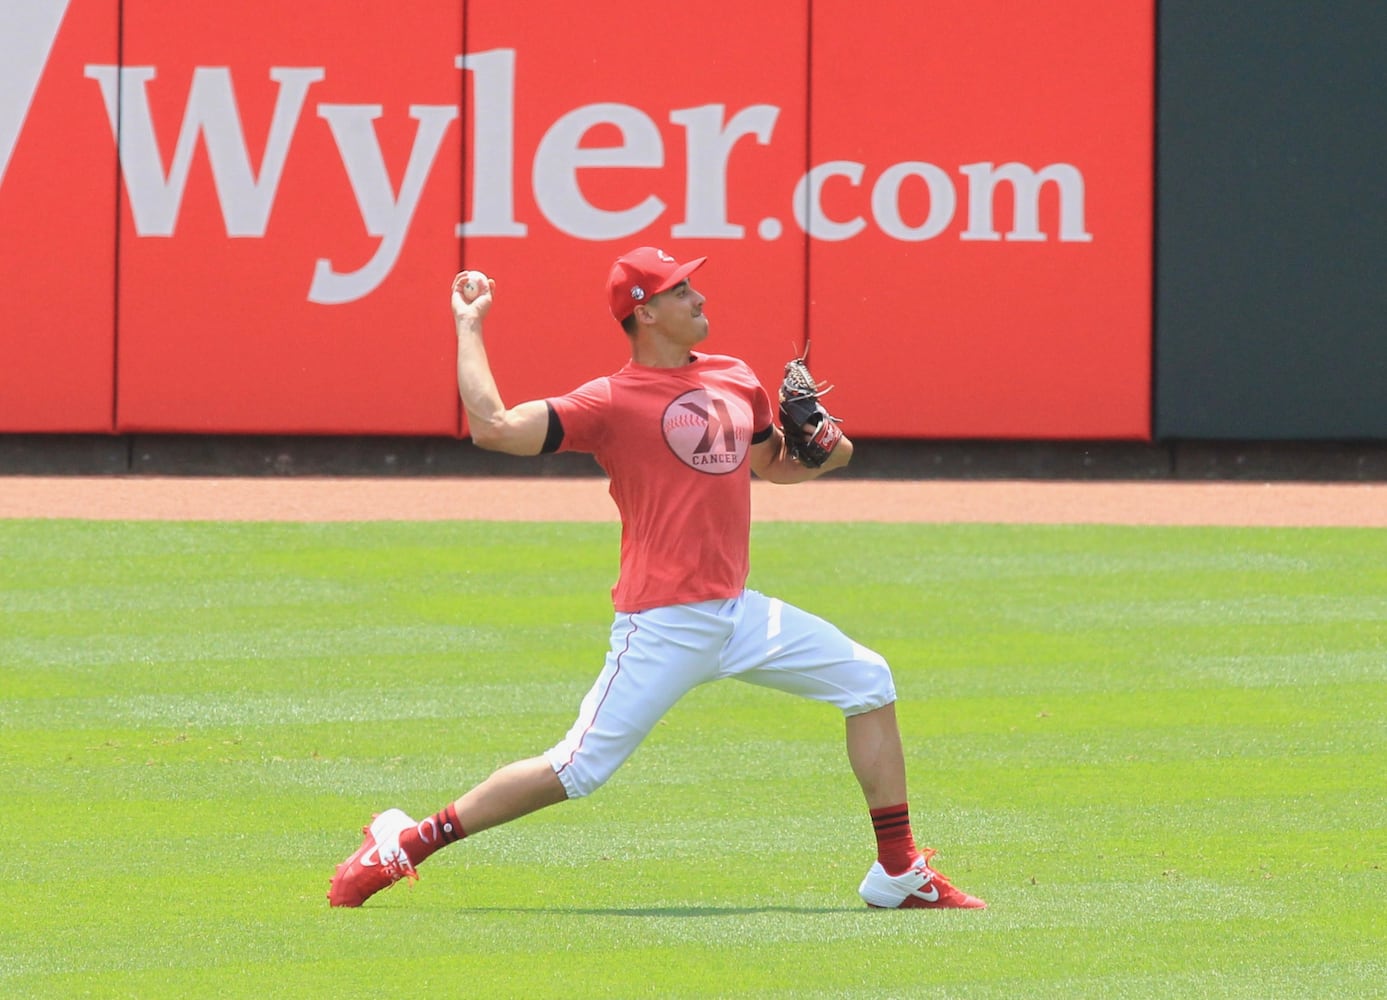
952, 201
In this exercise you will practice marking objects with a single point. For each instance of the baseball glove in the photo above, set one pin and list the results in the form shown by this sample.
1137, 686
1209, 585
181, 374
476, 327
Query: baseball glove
811, 432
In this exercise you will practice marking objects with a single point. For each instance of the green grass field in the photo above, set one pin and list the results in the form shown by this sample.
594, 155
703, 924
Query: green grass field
1160, 754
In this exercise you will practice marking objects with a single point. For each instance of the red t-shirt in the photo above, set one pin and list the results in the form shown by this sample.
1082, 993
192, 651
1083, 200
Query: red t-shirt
674, 443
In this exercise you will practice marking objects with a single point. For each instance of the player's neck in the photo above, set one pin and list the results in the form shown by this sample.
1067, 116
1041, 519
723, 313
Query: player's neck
654, 353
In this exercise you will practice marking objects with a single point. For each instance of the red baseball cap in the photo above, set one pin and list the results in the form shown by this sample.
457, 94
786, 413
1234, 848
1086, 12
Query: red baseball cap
644, 272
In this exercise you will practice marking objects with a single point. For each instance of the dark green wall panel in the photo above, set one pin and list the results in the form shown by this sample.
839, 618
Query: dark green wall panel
1271, 273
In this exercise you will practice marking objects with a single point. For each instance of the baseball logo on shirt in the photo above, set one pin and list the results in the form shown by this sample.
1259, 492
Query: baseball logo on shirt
708, 433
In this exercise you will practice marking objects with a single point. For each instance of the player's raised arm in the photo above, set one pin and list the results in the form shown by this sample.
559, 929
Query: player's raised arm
518, 431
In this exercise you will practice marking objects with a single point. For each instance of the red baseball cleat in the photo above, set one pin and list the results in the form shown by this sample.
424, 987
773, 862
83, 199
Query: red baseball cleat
919, 887
378, 863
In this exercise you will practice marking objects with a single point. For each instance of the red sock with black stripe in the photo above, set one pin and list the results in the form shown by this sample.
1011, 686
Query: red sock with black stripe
438, 831
895, 842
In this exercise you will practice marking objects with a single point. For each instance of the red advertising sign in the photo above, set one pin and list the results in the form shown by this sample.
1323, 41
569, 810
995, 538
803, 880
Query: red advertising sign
57, 220
951, 200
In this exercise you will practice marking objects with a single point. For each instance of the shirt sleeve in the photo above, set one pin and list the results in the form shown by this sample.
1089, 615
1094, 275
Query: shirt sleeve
582, 413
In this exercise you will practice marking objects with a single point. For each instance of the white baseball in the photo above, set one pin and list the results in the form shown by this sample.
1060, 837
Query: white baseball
473, 286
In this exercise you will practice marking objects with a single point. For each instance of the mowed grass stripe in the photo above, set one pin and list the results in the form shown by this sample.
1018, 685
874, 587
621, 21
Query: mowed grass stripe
1157, 752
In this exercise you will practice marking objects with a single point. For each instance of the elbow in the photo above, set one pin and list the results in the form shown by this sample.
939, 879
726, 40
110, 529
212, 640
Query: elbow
485, 435
502, 433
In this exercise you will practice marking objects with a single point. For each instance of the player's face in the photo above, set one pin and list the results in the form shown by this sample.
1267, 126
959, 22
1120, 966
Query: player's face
680, 314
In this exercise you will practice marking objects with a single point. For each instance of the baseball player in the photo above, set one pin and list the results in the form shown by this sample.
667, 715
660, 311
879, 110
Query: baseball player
679, 433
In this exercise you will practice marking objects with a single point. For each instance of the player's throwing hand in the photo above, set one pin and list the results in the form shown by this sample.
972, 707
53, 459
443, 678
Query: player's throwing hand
472, 292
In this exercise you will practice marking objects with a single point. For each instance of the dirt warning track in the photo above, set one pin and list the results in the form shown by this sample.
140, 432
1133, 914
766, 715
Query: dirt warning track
586, 499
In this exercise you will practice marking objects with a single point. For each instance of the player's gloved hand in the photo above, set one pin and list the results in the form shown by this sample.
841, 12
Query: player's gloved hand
811, 432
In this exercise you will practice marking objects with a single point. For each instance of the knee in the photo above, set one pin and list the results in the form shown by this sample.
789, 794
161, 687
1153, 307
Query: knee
876, 687
578, 775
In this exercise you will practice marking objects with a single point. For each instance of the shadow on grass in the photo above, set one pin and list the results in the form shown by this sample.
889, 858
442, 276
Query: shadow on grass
664, 911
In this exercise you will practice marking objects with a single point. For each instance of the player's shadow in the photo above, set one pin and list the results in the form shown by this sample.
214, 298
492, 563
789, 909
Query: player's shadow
664, 911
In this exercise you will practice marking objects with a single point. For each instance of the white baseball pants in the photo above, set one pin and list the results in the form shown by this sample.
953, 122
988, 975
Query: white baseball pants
658, 656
